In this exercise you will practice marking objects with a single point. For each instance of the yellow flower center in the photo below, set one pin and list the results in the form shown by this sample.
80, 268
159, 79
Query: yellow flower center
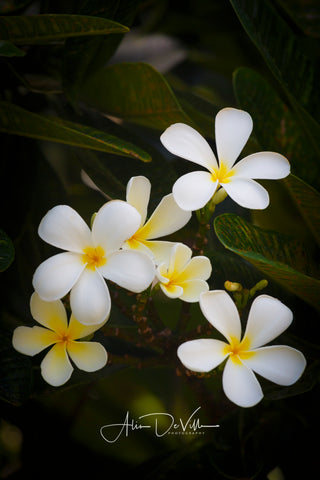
238, 350
222, 174
94, 257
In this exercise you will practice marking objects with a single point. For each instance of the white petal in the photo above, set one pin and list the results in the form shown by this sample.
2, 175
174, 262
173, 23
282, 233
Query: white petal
49, 314
268, 318
160, 250
280, 364
202, 355
219, 309
90, 299
240, 384
247, 193
167, 218
198, 267
88, 356
56, 368
77, 330
138, 195
55, 277
129, 269
269, 165
192, 290
180, 255
187, 143
63, 227
171, 291
115, 222
194, 190
233, 128
31, 341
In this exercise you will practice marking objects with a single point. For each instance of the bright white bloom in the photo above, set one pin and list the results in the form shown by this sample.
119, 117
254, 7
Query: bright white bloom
90, 256
56, 367
182, 276
267, 319
166, 219
232, 130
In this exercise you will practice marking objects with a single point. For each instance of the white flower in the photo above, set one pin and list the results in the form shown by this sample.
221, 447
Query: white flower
90, 256
56, 367
232, 130
182, 276
166, 219
267, 319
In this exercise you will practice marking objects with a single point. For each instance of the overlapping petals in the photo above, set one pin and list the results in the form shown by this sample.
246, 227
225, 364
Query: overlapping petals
267, 319
166, 219
182, 276
63, 338
91, 257
232, 130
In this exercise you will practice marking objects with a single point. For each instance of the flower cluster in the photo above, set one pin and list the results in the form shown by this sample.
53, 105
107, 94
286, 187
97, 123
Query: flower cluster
126, 247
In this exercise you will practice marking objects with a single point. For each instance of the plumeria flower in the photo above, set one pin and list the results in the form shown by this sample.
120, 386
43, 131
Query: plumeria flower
167, 218
90, 257
64, 339
182, 276
232, 130
267, 319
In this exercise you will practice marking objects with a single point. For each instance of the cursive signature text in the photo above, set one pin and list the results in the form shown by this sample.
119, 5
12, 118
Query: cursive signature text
154, 421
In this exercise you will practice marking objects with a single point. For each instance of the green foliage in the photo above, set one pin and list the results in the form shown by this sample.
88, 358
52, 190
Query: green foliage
276, 255
18, 121
37, 29
6, 251
74, 96
146, 100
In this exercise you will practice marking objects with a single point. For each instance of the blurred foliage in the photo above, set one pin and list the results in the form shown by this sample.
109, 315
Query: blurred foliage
97, 103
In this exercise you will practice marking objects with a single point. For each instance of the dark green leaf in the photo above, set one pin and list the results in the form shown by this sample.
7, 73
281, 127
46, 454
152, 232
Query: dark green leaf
17, 121
283, 52
35, 29
9, 6
7, 49
6, 251
82, 56
135, 92
276, 127
276, 255
307, 200
15, 373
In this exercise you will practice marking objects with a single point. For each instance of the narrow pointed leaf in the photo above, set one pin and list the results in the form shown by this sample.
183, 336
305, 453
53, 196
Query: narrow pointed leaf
8, 49
276, 127
135, 92
83, 56
307, 200
276, 255
37, 29
15, 120
283, 52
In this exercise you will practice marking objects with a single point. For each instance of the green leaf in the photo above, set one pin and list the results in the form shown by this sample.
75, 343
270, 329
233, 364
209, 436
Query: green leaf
276, 127
7, 49
307, 200
276, 255
283, 52
134, 92
37, 29
6, 251
15, 120
83, 56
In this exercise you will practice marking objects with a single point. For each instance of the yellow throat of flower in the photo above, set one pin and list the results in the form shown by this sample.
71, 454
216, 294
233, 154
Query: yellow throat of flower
94, 257
222, 174
238, 350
